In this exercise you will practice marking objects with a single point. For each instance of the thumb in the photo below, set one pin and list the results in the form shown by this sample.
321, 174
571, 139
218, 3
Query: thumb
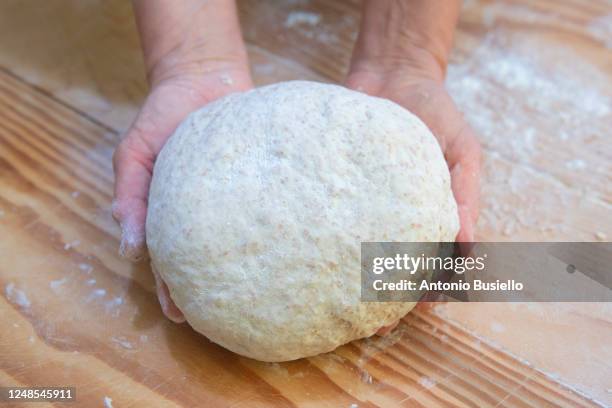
133, 165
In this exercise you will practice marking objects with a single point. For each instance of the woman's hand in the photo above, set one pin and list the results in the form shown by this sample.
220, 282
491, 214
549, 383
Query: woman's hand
194, 54
401, 55
428, 99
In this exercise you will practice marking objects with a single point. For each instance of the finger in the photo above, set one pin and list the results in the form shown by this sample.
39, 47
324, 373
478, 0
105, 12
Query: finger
383, 331
132, 169
171, 311
464, 157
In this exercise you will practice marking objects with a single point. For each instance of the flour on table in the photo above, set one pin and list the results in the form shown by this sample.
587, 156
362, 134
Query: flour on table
108, 402
427, 382
123, 342
509, 81
302, 17
85, 267
112, 305
96, 294
56, 284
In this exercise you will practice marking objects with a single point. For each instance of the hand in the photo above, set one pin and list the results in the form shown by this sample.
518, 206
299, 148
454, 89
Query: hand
422, 92
171, 99
427, 98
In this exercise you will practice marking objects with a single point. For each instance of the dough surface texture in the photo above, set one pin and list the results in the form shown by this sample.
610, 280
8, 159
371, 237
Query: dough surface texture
259, 203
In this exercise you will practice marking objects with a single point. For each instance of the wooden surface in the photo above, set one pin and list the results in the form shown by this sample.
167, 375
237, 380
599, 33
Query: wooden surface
534, 78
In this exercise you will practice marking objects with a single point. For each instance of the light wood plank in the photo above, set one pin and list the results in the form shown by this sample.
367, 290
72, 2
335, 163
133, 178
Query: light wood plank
55, 188
81, 316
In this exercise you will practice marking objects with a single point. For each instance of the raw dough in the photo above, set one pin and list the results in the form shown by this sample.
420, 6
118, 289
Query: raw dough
259, 203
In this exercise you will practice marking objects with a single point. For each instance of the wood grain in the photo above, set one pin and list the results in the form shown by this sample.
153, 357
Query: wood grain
74, 313
86, 318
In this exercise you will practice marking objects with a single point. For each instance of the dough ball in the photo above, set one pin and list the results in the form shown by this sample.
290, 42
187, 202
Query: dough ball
259, 203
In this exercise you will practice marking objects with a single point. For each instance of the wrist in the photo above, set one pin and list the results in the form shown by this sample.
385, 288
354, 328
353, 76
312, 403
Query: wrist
190, 38
195, 63
411, 37
411, 63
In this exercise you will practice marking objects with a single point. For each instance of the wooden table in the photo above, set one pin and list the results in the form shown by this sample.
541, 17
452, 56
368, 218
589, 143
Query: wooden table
534, 78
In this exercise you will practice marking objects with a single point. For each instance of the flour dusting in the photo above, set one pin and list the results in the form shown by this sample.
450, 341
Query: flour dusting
509, 81
108, 402
112, 306
123, 342
17, 296
302, 17
427, 382
56, 284
95, 294
85, 267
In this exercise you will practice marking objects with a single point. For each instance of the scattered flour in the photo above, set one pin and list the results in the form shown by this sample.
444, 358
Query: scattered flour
85, 267
108, 402
509, 81
302, 17
366, 377
123, 342
17, 296
95, 294
112, 306
55, 284
427, 382
311, 26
